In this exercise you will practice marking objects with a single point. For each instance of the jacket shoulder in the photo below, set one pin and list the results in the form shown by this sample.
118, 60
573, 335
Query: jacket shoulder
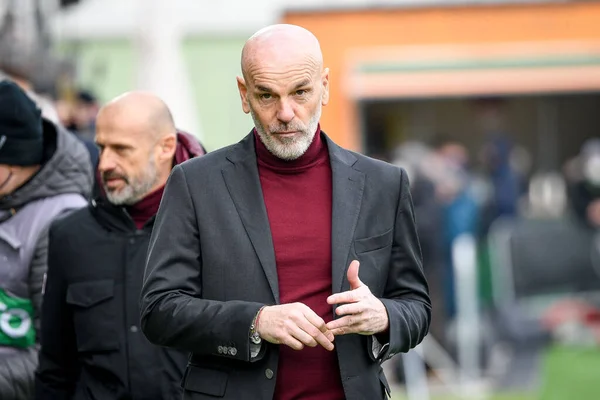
382, 169
211, 161
70, 222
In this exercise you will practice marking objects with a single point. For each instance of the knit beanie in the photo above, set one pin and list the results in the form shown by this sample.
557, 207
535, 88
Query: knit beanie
21, 132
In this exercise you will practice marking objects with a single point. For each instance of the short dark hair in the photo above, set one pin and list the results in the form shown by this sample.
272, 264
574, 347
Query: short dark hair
86, 97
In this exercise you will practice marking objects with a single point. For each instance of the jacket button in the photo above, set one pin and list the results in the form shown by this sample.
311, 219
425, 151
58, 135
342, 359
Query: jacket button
133, 328
269, 373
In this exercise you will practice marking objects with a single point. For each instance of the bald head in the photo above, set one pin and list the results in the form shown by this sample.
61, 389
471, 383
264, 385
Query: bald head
283, 88
137, 139
281, 45
144, 109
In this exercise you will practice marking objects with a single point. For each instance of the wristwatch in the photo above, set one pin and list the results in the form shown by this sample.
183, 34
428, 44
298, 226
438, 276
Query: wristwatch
254, 336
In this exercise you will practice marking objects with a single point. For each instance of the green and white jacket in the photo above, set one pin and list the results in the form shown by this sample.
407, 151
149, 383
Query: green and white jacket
63, 183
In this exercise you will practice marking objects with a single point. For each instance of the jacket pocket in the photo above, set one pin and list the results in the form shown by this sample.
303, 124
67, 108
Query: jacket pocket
207, 381
94, 314
374, 242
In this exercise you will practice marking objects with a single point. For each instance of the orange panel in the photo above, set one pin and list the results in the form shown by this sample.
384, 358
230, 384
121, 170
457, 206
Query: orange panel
477, 83
342, 31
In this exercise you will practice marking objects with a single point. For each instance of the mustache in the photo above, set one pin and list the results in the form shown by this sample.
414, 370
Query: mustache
113, 175
277, 128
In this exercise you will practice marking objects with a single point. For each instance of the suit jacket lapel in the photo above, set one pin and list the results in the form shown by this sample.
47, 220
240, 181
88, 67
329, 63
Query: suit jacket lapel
243, 183
348, 186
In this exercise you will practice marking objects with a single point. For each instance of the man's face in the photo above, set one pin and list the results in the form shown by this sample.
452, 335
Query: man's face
285, 103
127, 166
84, 114
6, 176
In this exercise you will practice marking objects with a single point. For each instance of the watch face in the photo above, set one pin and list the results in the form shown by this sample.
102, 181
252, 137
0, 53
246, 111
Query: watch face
255, 338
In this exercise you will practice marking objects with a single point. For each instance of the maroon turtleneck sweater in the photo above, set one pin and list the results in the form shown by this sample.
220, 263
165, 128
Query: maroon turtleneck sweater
146, 208
297, 197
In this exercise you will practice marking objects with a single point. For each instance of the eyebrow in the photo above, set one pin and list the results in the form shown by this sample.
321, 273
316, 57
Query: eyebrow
303, 83
262, 88
266, 89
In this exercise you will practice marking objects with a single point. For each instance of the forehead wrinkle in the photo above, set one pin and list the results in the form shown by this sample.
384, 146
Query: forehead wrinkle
307, 62
269, 76
275, 85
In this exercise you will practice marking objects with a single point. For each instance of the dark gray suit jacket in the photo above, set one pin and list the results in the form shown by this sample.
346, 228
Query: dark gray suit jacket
211, 266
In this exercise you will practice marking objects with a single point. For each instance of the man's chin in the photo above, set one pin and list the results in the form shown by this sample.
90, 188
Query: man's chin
116, 198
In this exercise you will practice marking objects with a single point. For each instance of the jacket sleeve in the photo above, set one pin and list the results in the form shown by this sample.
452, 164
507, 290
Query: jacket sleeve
173, 312
16, 374
37, 273
406, 294
58, 369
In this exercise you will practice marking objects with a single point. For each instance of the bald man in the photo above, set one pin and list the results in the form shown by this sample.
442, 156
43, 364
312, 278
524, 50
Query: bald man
289, 267
91, 344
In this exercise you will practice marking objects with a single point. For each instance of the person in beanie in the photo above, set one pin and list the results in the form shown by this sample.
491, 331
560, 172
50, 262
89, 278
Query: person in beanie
44, 172
92, 346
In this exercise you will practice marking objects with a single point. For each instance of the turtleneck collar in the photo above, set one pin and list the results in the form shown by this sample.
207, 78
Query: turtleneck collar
146, 208
315, 154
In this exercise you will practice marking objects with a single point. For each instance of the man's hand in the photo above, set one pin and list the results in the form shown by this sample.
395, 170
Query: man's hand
363, 313
294, 325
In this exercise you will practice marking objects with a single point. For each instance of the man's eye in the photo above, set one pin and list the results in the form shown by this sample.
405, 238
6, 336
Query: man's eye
301, 92
265, 96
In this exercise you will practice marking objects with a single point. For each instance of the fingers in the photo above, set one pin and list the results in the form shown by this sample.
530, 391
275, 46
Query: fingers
345, 331
318, 323
352, 308
300, 326
316, 327
292, 342
352, 275
351, 296
303, 337
314, 336
344, 325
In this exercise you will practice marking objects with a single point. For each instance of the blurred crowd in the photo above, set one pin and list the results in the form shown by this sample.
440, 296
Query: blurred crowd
497, 191
454, 193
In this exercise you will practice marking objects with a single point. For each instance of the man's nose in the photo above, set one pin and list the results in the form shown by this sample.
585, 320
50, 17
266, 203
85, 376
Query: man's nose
285, 113
106, 162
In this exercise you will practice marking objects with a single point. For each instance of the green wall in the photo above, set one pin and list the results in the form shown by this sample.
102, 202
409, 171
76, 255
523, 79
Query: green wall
108, 68
213, 64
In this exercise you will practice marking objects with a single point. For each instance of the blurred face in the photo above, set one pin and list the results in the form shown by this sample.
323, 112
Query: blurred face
12, 177
127, 162
591, 170
455, 154
6, 176
85, 114
285, 102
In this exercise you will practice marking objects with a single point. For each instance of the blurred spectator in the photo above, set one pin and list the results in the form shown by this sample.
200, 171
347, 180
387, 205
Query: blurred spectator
500, 159
44, 172
583, 174
547, 197
22, 77
83, 118
96, 262
417, 159
460, 208
506, 183
79, 116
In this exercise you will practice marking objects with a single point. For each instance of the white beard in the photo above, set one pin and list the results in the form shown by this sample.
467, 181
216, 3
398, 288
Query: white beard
135, 189
288, 148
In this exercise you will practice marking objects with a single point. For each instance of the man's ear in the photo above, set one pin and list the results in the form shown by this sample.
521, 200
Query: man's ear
167, 147
243, 94
325, 84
